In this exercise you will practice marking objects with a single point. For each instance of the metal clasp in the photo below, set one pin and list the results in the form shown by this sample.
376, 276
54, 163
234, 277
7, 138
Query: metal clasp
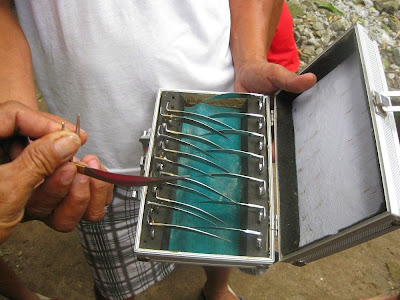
383, 104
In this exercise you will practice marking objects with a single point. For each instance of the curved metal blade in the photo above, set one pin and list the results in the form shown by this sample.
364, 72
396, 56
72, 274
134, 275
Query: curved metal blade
195, 157
246, 231
237, 115
188, 113
188, 189
190, 206
195, 123
188, 229
192, 137
249, 205
164, 159
240, 152
261, 182
181, 210
202, 185
186, 143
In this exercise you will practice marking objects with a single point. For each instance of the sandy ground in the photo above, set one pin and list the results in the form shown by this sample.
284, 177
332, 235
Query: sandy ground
52, 263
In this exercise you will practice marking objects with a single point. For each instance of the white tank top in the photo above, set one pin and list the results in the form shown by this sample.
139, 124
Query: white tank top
106, 60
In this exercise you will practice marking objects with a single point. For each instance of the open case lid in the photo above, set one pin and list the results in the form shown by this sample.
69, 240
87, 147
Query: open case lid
337, 154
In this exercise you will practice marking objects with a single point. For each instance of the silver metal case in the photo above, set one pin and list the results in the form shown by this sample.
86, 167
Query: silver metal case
336, 181
338, 154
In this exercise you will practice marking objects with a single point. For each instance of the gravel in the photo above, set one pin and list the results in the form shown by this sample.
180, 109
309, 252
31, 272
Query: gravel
318, 23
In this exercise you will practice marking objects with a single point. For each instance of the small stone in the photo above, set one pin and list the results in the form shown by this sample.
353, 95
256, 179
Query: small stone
385, 63
295, 8
354, 18
391, 76
309, 51
319, 51
300, 27
319, 2
389, 6
385, 21
339, 25
318, 26
368, 3
308, 4
396, 55
19, 253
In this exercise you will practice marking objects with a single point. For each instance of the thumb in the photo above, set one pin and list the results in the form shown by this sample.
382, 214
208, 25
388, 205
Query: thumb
19, 177
286, 80
40, 158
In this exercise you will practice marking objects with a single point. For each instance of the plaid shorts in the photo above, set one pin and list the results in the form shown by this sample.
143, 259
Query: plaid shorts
108, 247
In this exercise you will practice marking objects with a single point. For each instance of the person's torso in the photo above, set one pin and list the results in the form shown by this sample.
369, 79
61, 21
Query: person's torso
106, 60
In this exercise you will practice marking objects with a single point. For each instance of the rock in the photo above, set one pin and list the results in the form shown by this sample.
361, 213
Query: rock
368, 3
309, 51
319, 2
396, 55
295, 8
389, 6
308, 4
385, 63
394, 24
318, 26
315, 29
339, 25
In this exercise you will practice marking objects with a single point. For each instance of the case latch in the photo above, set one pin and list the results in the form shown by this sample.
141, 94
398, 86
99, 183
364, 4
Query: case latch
382, 102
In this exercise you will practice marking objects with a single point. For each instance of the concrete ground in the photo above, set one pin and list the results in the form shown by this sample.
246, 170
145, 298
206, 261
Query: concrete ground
52, 264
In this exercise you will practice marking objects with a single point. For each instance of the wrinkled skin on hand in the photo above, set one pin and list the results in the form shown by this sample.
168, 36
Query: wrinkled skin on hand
38, 180
260, 76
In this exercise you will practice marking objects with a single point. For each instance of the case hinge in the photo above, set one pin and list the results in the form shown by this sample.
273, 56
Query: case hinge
382, 102
275, 225
272, 117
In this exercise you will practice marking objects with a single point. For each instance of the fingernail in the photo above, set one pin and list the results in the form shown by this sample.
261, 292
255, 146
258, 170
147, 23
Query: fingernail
66, 146
93, 163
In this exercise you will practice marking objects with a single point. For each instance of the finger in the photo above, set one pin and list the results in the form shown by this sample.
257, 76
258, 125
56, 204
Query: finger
41, 158
51, 192
286, 80
18, 144
18, 118
68, 125
68, 213
301, 83
21, 176
100, 192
